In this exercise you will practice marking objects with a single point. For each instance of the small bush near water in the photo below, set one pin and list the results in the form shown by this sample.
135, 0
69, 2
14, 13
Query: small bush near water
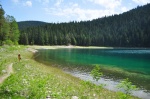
127, 88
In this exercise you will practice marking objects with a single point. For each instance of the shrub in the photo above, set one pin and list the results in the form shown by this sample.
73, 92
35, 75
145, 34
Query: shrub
127, 87
8, 42
95, 73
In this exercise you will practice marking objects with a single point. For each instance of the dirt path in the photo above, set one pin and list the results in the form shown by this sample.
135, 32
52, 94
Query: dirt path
9, 71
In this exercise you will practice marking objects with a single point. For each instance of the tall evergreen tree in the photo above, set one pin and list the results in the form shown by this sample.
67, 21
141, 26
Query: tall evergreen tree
13, 31
9, 33
4, 28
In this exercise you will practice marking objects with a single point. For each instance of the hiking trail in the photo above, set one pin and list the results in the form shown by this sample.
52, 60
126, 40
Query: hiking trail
7, 74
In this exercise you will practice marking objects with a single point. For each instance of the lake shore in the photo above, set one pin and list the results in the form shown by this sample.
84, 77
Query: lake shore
32, 79
81, 47
64, 46
119, 71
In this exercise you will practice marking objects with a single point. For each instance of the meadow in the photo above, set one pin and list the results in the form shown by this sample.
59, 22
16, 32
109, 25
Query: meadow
33, 80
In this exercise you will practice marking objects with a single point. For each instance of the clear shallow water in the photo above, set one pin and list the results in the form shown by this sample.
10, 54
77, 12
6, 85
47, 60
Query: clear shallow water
110, 84
115, 63
127, 59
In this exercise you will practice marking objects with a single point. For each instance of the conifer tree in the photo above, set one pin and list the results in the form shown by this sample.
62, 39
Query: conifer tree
4, 28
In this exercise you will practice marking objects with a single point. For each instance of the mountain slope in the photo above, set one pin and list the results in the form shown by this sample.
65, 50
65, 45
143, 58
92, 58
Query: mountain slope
130, 29
26, 24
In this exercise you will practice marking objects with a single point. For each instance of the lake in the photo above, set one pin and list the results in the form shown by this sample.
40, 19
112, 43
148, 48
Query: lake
116, 64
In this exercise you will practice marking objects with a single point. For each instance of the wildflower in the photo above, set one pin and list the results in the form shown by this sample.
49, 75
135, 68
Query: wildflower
94, 95
75, 97
48, 97
25, 81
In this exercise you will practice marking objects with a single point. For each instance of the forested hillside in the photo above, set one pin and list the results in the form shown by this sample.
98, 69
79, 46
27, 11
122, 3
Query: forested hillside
130, 29
26, 24
9, 33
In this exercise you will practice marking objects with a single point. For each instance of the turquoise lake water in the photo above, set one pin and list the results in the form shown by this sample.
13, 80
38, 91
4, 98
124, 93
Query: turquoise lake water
116, 63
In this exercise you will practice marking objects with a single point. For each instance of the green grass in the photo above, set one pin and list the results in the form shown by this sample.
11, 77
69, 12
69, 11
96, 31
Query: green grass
33, 80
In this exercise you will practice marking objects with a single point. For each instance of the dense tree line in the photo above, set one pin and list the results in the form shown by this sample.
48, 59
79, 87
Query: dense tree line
130, 29
9, 32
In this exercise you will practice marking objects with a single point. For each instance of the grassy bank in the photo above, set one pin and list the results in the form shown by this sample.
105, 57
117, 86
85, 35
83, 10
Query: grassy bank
34, 80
